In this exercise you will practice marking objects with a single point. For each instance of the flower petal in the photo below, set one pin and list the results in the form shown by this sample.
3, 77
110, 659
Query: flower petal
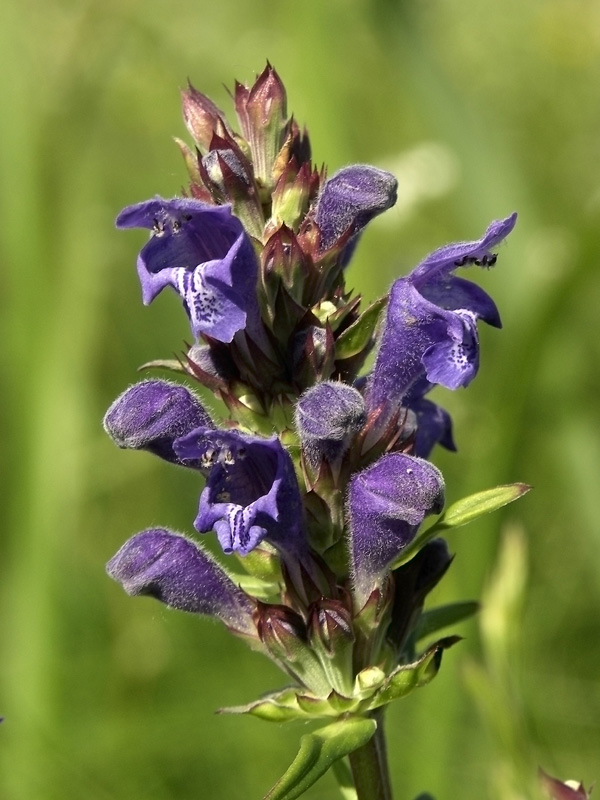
350, 199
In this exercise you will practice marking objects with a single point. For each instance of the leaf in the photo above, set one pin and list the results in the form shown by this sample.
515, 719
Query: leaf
355, 338
476, 505
318, 751
408, 677
461, 513
173, 365
435, 619
277, 707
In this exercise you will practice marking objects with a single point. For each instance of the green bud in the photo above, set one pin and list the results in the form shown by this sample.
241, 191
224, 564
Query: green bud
283, 633
332, 637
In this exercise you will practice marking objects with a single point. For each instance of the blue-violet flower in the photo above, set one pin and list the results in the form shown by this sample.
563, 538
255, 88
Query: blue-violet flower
203, 252
179, 573
151, 414
430, 330
386, 504
251, 490
350, 199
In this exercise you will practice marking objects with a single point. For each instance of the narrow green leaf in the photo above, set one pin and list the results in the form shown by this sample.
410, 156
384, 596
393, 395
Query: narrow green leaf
408, 677
461, 513
277, 707
435, 619
355, 338
318, 751
173, 365
476, 505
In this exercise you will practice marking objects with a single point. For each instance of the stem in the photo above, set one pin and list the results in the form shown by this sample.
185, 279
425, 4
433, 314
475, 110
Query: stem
369, 766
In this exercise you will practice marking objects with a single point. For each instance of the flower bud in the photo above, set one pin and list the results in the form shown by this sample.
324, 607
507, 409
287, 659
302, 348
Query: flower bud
557, 790
283, 633
201, 116
332, 637
228, 176
314, 355
150, 415
262, 113
328, 416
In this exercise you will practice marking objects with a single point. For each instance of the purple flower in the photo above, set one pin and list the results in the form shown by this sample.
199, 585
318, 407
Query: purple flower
251, 490
386, 504
150, 415
350, 199
328, 416
203, 252
430, 330
179, 573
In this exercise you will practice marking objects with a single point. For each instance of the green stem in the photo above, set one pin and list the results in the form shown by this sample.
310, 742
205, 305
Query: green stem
370, 768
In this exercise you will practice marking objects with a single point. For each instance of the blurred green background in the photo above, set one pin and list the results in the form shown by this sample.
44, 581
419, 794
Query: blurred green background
480, 108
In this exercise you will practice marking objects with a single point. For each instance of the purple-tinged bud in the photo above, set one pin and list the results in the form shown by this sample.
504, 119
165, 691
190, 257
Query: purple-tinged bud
350, 199
283, 260
328, 416
557, 790
331, 636
224, 170
313, 355
228, 176
214, 361
386, 504
179, 573
262, 113
201, 116
292, 195
150, 415
284, 634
